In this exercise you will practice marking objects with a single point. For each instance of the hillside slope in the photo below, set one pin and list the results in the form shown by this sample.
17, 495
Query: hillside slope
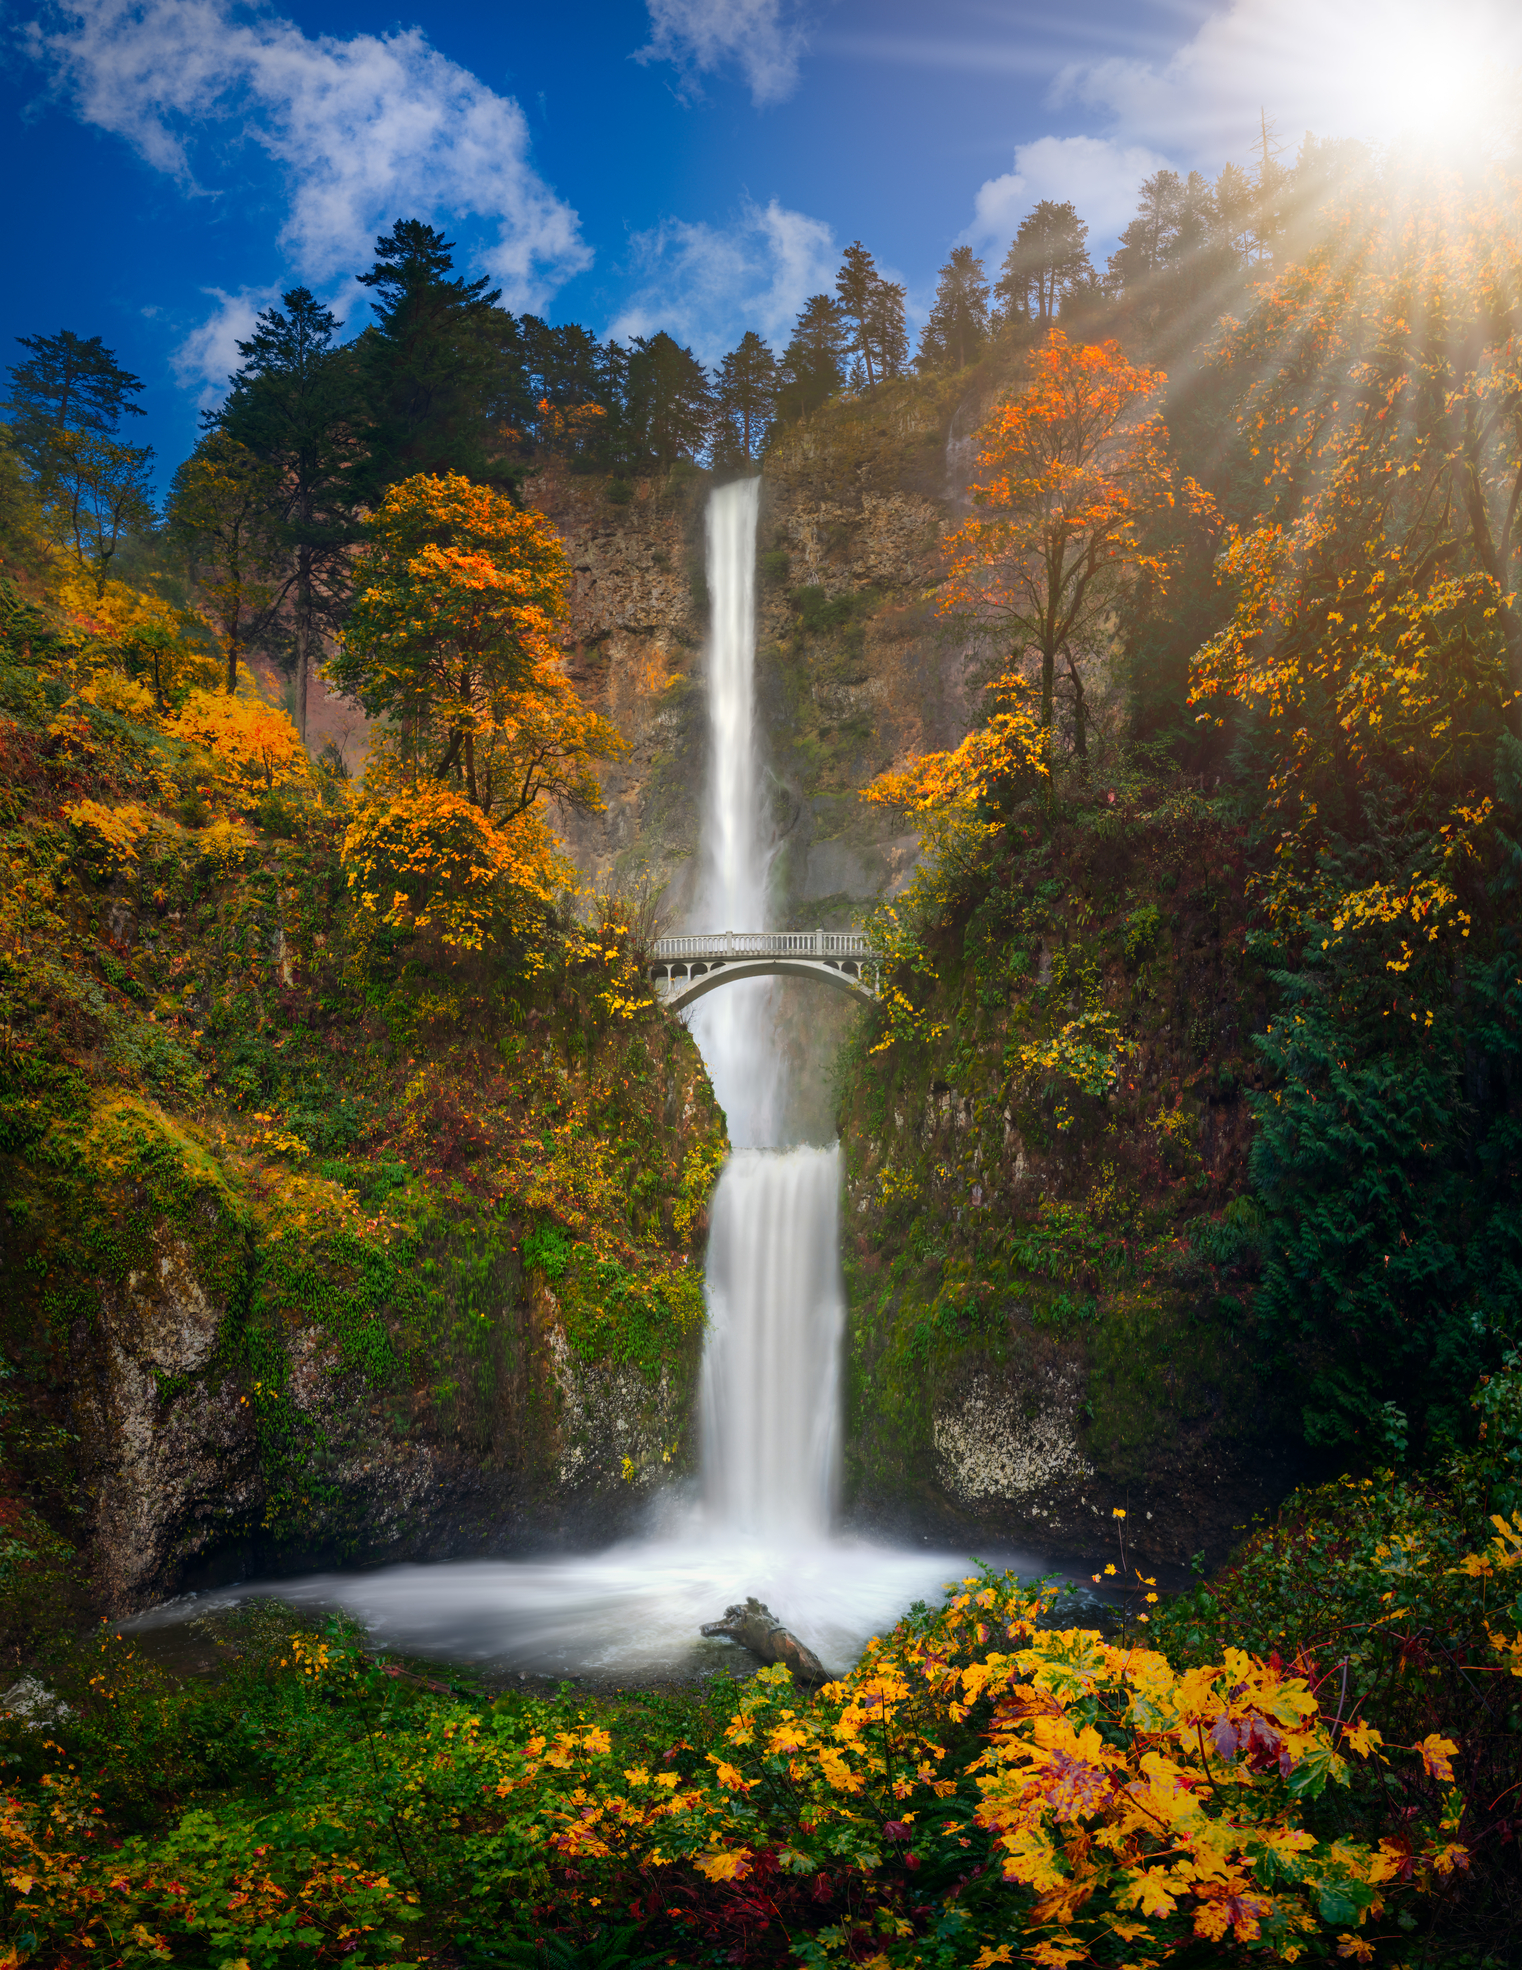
309, 1250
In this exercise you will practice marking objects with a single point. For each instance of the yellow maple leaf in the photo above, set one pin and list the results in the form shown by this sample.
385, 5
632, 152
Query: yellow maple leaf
731, 1864
1436, 1753
1362, 1738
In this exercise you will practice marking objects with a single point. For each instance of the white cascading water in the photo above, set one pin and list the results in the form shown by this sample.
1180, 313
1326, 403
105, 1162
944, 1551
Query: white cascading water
770, 1400
770, 1390
733, 1027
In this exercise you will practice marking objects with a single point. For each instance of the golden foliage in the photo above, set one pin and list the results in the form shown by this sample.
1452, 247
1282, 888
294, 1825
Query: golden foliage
1071, 473
254, 744
426, 856
1375, 625
454, 641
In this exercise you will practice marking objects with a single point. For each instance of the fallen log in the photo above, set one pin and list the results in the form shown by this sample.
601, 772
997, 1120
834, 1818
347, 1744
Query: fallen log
755, 1627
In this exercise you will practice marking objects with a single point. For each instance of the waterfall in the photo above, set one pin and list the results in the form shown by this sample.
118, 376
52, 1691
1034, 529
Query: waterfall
770, 1397
733, 1027
770, 1400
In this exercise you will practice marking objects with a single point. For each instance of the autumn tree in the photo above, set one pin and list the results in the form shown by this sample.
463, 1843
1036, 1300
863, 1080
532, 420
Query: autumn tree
219, 516
453, 640
293, 407
1376, 623
813, 365
1069, 471
744, 401
1047, 262
254, 745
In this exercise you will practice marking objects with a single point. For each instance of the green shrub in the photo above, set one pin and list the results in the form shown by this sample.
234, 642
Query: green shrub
546, 1249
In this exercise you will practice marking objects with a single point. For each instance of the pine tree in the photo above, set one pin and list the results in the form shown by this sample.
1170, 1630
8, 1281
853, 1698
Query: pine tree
888, 337
813, 364
1047, 262
441, 367
68, 384
293, 406
670, 402
874, 309
66, 405
745, 401
958, 326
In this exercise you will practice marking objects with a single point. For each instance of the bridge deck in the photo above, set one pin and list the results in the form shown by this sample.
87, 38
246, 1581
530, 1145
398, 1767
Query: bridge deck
763, 944
689, 966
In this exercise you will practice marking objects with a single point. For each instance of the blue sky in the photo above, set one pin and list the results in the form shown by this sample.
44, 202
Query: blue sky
694, 165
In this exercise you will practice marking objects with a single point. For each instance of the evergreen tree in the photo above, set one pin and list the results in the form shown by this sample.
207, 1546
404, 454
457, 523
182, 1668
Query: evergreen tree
670, 402
293, 406
958, 325
1047, 262
66, 403
443, 375
745, 401
874, 311
888, 337
67, 384
220, 510
576, 401
813, 364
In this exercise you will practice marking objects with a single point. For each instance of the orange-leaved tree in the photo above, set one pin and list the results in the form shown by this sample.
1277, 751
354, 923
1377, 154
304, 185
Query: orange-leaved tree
454, 641
255, 746
1072, 474
1376, 626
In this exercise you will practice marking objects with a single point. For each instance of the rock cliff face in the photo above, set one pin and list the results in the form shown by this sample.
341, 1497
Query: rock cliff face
251, 1389
170, 1445
853, 669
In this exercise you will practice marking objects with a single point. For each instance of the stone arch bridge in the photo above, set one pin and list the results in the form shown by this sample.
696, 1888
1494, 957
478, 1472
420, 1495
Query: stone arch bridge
682, 969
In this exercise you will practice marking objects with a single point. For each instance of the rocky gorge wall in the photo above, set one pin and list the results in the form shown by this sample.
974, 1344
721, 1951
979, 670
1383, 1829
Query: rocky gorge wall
853, 671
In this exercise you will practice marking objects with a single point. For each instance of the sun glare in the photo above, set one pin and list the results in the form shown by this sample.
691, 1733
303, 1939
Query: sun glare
1430, 76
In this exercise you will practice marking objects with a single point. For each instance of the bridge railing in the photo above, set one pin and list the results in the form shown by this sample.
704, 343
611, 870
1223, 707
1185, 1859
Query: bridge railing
712, 944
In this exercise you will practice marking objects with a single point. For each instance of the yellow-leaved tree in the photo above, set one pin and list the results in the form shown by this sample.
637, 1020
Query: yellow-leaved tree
454, 643
254, 746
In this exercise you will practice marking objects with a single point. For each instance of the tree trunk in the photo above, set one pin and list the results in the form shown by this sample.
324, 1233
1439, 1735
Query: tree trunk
303, 638
1080, 736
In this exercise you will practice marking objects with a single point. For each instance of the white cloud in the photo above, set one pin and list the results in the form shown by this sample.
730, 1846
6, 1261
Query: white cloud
1096, 175
367, 129
209, 354
1372, 69
707, 286
703, 36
